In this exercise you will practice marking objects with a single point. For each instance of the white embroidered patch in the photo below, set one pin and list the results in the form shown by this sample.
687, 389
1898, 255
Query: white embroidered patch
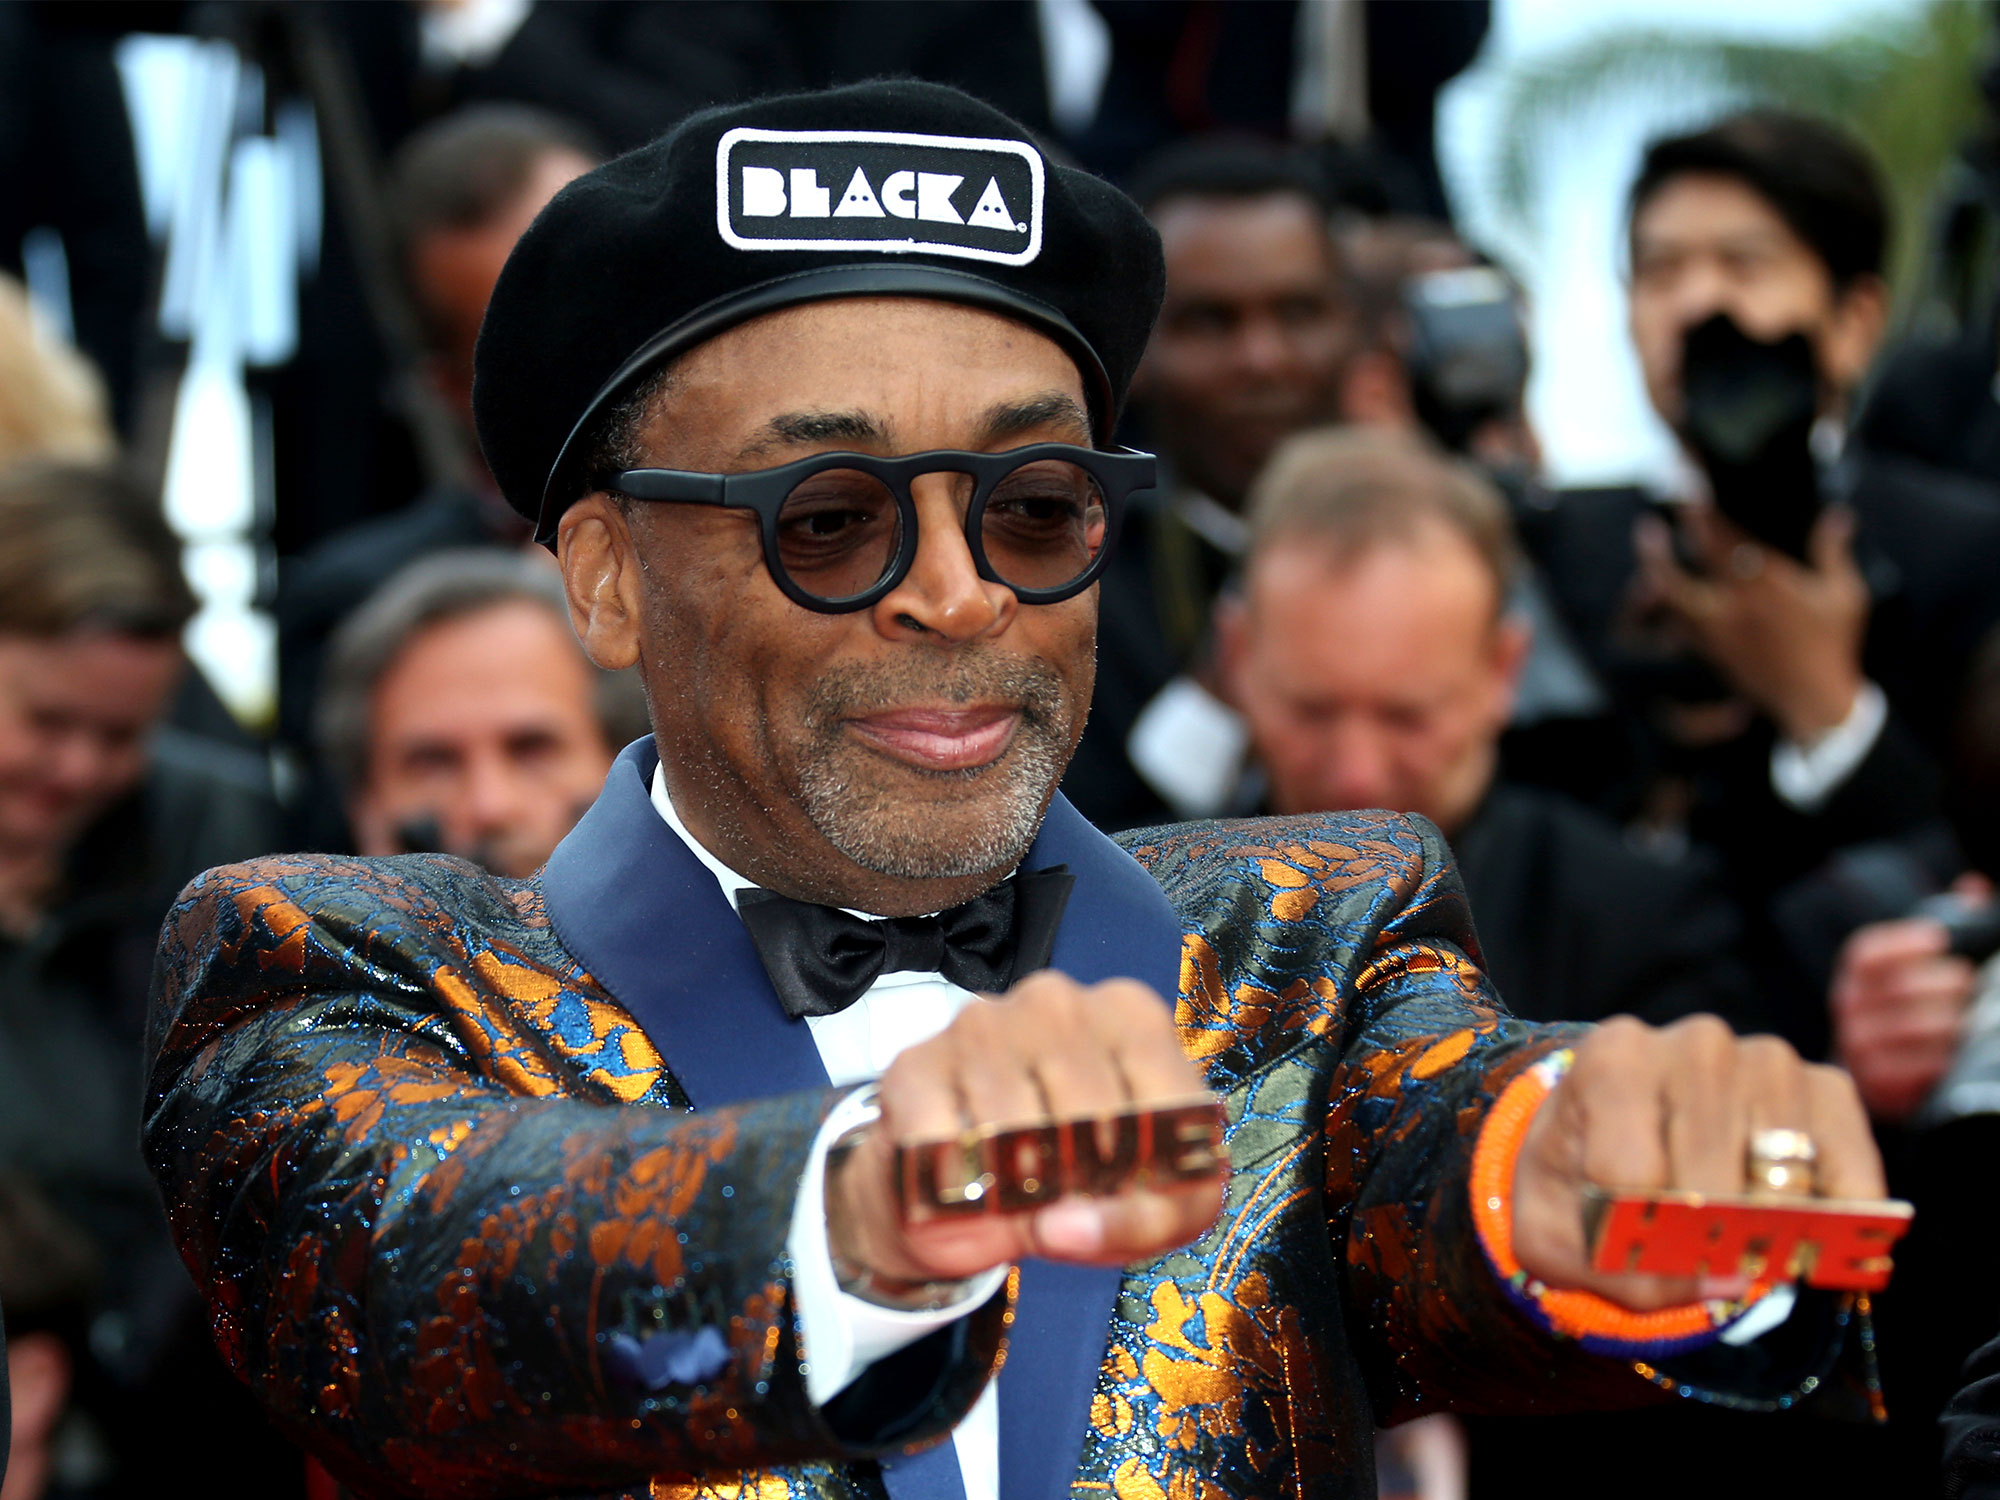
879, 191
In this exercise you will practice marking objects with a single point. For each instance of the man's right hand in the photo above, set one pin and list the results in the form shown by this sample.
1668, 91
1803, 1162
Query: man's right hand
1047, 1049
1898, 1001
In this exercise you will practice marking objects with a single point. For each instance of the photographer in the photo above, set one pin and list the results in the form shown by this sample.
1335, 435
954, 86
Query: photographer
1788, 636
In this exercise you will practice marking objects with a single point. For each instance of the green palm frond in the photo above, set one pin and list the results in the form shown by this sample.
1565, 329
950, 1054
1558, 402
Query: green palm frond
1904, 83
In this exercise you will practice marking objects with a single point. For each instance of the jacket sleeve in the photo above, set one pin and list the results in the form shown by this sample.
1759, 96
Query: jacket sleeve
454, 1253
1421, 1048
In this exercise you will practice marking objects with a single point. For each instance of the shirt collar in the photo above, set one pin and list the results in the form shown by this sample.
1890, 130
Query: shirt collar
731, 882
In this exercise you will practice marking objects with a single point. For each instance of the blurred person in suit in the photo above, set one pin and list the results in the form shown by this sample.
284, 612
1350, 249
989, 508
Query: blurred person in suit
1259, 338
1786, 695
1374, 658
459, 712
105, 809
461, 191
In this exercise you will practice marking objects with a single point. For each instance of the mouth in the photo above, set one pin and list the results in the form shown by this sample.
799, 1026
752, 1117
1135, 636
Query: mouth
940, 739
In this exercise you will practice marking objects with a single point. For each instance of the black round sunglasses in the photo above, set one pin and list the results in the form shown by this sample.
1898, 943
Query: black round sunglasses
840, 529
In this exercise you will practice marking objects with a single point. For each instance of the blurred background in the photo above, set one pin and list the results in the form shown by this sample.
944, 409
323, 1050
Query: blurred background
1580, 424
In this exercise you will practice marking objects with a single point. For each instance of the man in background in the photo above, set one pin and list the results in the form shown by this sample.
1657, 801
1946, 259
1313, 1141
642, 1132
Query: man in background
460, 714
1258, 339
1375, 660
461, 191
1787, 701
104, 812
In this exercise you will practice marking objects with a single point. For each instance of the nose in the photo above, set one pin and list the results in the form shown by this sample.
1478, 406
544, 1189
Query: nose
489, 801
1263, 347
1355, 768
1700, 292
77, 764
943, 596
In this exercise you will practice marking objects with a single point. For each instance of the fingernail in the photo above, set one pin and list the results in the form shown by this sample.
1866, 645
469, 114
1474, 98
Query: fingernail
1723, 1288
1072, 1226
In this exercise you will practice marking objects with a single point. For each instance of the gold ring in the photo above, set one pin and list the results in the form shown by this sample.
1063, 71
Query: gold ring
1782, 1161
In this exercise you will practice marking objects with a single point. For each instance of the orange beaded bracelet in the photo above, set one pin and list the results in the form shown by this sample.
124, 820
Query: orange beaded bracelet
1598, 1325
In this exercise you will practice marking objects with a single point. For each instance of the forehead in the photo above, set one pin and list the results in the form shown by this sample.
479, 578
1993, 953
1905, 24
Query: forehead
1429, 580
919, 367
1704, 206
1215, 238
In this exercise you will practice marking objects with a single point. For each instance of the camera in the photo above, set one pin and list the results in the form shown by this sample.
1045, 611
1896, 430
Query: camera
1467, 355
1747, 411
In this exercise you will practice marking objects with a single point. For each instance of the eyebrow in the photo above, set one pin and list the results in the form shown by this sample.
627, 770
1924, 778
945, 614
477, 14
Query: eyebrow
815, 427
1009, 418
1050, 409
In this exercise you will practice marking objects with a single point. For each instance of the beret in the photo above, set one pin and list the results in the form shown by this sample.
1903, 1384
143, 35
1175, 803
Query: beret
891, 188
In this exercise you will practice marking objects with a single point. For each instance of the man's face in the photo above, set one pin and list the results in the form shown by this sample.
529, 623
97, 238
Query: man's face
895, 758
485, 729
1252, 339
1377, 680
74, 714
1704, 244
454, 272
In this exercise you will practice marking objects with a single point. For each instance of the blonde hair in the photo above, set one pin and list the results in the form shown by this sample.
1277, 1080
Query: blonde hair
52, 403
1357, 488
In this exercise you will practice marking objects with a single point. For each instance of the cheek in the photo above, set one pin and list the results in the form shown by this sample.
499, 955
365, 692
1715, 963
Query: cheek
21, 749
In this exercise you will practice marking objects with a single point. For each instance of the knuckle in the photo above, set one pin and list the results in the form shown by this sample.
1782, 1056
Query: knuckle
1767, 1054
1705, 1034
1618, 1037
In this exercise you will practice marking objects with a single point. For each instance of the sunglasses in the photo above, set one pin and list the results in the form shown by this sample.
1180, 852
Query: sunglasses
840, 529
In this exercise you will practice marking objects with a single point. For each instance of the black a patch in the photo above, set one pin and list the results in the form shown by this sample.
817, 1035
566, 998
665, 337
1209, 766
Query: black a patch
873, 190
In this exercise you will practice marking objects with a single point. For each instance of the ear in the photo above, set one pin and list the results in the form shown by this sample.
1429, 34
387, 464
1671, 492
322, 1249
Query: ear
1231, 623
600, 568
1512, 638
1855, 331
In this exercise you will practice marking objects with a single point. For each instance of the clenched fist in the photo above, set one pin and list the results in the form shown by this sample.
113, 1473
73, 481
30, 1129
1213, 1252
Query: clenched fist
1046, 1049
1645, 1109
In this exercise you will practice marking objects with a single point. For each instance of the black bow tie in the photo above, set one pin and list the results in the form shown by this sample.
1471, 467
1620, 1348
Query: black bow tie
821, 960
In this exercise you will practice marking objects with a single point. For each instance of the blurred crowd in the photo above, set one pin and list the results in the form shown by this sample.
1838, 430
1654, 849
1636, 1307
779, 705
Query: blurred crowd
1731, 746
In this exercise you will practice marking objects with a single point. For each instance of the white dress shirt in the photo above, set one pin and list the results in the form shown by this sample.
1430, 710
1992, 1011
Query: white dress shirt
841, 1335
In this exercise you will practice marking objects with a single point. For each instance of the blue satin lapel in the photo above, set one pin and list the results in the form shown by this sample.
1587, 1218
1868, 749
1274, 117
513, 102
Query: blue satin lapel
1118, 925
648, 921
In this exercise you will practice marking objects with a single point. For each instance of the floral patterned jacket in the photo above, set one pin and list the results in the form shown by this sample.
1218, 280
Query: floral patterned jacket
472, 1219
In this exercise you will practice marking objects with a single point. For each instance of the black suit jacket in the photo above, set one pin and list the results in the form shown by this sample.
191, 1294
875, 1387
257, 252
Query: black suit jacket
1576, 924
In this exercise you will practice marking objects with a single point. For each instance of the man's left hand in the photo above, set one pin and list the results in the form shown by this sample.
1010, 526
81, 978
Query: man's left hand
1645, 1109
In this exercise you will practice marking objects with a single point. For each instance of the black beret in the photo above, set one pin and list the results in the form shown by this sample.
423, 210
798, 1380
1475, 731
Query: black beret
891, 188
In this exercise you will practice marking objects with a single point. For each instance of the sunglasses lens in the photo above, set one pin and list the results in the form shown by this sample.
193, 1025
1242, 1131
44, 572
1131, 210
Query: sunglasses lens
1044, 525
838, 533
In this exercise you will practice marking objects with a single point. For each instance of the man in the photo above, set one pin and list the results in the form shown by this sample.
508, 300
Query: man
460, 714
1258, 339
562, 1187
105, 812
461, 192
1375, 659
1820, 686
